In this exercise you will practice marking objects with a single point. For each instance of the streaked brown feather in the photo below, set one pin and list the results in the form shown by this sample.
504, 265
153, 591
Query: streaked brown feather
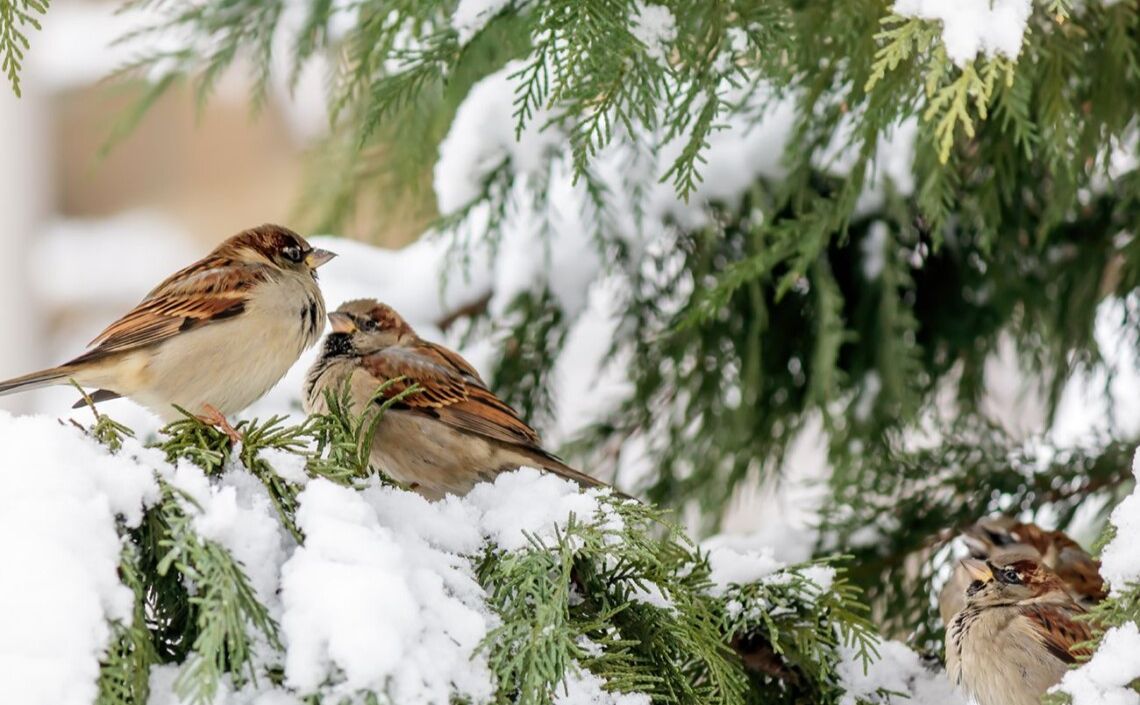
211, 289
1054, 626
452, 389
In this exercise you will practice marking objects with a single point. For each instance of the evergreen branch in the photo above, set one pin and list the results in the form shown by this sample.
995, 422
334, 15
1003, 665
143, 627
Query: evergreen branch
105, 430
788, 626
344, 434
17, 17
200, 442
225, 605
124, 674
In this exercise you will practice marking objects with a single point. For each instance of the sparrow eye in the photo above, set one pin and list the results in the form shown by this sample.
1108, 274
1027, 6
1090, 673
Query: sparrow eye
292, 253
1009, 575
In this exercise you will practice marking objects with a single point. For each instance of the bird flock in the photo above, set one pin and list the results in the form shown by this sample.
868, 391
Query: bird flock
215, 336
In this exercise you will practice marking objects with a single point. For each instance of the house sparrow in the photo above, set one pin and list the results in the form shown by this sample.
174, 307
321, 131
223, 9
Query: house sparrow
445, 438
212, 338
997, 536
1016, 635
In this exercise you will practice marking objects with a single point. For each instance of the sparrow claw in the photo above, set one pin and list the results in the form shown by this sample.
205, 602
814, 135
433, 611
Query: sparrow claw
214, 417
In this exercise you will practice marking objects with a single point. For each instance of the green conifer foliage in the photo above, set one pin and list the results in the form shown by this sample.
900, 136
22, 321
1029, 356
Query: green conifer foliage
1020, 226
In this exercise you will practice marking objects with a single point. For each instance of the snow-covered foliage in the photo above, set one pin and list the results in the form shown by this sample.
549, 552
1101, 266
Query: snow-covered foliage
973, 26
640, 183
1108, 678
186, 572
59, 547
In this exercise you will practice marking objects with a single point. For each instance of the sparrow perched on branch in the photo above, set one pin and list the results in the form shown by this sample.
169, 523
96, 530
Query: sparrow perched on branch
1017, 634
442, 439
997, 536
212, 338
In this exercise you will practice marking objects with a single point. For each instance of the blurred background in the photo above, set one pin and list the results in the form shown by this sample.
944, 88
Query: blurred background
90, 227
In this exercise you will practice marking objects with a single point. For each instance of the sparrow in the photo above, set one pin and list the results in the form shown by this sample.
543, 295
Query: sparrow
442, 439
997, 536
213, 337
1016, 635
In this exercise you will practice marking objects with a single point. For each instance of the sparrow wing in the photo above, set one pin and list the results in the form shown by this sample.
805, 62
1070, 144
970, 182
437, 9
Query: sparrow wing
1081, 572
207, 291
450, 390
1054, 626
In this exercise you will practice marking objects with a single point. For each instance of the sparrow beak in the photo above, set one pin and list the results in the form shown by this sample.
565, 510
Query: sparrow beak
977, 569
318, 257
342, 322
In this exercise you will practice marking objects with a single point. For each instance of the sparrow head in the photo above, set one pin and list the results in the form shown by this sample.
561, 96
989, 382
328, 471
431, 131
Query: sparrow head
369, 323
1013, 577
995, 536
276, 246
1001, 531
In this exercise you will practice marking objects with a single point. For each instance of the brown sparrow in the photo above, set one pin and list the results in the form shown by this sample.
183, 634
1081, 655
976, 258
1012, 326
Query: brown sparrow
443, 439
1016, 635
994, 537
212, 338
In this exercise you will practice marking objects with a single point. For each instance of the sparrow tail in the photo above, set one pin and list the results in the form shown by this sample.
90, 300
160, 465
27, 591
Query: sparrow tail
553, 465
42, 378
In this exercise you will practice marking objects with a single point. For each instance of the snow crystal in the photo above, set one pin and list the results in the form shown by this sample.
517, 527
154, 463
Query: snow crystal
60, 551
482, 137
238, 513
1105, 679
655, 27
1120, 560
737, 560
972, 26
288, 466
581, 687
897, 669
471, 16
162, 691
366, 609
822, 575
531, 503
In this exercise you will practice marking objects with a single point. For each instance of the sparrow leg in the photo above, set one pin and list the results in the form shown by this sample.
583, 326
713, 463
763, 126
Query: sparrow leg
214, 417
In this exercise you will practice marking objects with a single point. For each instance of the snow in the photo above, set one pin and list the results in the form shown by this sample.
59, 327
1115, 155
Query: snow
655, 27
471, 16
237, 512
382, 597
737, 560
991, 27
367, 610
1120, 560
382, 594
527, 504
1105, 679
896, 670
162, 691
874, 250
60, 550
482, 137
581, 687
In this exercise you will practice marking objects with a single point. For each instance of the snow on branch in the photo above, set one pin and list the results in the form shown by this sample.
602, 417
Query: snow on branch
186, 571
